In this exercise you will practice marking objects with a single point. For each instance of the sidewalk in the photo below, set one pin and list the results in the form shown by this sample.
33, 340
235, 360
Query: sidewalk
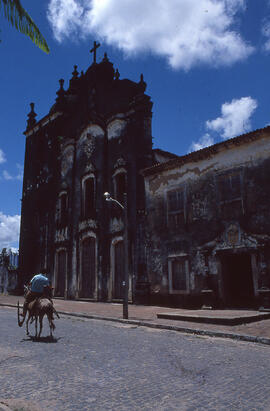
216, 323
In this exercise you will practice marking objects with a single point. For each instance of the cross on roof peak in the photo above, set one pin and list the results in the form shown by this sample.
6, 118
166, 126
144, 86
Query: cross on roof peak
94, 51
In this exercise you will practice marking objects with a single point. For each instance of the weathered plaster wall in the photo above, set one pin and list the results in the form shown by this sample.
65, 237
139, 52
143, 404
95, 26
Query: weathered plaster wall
208, 228
248, 155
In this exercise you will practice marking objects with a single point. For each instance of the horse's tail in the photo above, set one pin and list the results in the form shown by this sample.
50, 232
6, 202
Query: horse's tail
55, 312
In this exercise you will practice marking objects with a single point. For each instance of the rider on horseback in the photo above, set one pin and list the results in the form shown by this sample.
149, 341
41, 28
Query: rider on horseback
39, 286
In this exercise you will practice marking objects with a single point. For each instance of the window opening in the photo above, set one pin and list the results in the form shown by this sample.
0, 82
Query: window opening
121, 189
178, 276
176, 208
89, 198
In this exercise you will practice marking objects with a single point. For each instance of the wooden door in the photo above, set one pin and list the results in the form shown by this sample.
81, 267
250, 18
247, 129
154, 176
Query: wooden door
88, 267
119, 265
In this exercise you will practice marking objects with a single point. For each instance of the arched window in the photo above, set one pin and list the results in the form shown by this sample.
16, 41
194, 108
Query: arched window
120, 186
62, 209
88, 197
63, 206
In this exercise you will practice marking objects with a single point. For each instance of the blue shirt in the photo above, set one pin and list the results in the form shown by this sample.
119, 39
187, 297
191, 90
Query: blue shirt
38, 282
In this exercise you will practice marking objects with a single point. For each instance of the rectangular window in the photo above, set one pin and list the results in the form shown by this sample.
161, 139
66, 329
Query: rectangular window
229, 187
176, 208
230, 195
178, 275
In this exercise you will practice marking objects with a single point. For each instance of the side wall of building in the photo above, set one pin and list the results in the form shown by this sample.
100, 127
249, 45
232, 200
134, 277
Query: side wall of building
208, 226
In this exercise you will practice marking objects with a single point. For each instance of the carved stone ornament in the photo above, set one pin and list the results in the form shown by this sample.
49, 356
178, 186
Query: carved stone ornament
233, 234
87, 144
67, 160
90, 168
120, 163
233, 238
116, 225
83, 225
61, 235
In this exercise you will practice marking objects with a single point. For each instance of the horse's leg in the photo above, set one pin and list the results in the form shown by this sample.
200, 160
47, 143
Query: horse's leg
40, 324
27, 321
52, 326
36, 324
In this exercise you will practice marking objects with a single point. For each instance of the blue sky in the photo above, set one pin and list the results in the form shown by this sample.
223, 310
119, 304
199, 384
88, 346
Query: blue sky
206, 64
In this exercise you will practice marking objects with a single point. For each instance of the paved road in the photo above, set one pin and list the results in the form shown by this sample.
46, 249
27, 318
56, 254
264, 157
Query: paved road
98, 365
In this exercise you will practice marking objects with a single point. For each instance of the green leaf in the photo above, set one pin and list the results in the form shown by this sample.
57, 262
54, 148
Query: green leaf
20, 19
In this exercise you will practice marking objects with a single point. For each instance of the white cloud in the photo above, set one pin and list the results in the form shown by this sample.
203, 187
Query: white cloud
2, 156
6, 175
19, 176
235, 118
9, 230
234, 121
185, 32
205, 141
65, 17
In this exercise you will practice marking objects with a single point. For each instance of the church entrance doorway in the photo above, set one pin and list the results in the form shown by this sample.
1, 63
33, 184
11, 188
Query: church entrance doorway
88, 268
119, 267
237, 280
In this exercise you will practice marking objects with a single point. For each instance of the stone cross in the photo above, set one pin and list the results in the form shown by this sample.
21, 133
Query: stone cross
94, 50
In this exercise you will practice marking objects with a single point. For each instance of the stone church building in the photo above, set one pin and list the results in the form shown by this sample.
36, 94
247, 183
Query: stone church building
198, 225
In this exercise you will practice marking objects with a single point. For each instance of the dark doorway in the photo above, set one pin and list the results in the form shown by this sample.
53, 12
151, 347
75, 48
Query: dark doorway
119, 270
88, 262
237, 280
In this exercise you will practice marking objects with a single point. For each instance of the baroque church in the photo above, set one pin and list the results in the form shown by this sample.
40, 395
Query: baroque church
197, 226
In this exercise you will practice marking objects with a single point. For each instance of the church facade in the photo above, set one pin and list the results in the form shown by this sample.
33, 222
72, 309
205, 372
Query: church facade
197, 225
96, 138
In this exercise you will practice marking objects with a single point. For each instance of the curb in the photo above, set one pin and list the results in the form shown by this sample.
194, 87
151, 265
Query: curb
186, 330
219, 334
218, 320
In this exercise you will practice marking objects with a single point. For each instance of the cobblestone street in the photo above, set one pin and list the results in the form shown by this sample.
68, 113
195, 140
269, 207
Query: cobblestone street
99, 365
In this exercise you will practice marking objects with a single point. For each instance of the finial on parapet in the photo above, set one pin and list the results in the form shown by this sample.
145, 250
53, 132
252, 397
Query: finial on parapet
142, 83
73, 82
105, 58
31, 117
61, 82
60, 94
75, 73
116, 74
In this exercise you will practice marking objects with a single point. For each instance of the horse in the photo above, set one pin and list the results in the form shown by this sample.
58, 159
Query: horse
37, 309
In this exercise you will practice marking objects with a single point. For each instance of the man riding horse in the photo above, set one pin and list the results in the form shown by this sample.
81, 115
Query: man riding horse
39, 286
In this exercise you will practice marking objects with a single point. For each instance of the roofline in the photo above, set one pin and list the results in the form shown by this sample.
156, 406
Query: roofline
167, 153
206, 152
42, 122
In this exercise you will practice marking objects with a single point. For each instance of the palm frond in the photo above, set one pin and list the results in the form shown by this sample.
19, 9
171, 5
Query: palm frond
20, 19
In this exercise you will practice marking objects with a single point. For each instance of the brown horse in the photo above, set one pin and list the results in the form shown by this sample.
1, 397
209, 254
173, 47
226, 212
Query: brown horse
37, 309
